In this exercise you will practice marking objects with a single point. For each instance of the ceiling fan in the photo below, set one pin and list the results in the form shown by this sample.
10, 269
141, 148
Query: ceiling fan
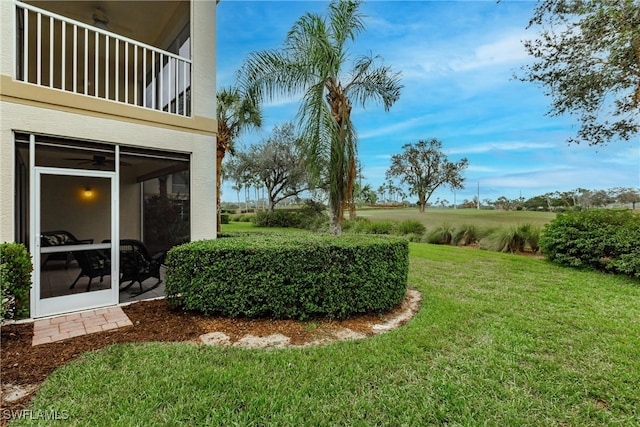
98, 161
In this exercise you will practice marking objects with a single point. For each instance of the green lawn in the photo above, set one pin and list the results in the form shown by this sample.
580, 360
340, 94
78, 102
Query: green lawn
457, 217
432, 218
248, 226
500, 340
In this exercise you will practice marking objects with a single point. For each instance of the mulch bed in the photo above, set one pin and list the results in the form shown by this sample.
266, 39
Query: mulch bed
24, 365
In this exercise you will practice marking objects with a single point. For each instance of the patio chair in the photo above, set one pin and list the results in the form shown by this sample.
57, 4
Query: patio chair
93, 263
138, 265
60, 238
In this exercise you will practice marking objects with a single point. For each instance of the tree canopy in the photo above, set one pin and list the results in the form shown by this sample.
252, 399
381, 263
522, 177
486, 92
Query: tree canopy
587, 57
277, 162
425, 167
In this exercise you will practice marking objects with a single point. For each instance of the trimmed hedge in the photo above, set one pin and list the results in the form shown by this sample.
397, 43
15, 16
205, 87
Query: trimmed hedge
15, 280
603, 239
288, 276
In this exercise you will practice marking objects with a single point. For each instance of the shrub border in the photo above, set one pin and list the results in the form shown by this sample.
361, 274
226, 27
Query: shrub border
295, 276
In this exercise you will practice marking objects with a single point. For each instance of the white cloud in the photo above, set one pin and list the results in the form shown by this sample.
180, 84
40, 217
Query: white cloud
500, 146
281, 101
442, 58
395, 128
481, 169
505, 50
628, 156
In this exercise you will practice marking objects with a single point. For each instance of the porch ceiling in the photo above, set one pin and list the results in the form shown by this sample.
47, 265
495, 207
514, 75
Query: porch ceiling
152, 22
136, 168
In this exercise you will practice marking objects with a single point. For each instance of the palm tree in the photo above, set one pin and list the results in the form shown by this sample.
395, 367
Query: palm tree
382, 191
235, 113
237, 189
312, 63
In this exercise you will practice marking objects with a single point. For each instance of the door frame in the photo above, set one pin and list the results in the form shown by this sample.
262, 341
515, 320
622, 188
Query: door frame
85, 300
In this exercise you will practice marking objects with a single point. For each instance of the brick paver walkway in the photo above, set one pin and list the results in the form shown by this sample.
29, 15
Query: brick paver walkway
76, 324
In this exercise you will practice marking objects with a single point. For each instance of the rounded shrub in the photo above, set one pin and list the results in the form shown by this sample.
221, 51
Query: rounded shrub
288, 276
310, 216
278, 218
605, 239
15, 280
245, 217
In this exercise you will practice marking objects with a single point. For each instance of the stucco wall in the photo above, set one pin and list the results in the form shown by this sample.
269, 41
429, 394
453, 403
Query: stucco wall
203, 51
29, 108
28, 118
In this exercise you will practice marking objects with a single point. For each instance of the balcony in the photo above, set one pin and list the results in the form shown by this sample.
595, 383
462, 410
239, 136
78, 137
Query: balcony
61, 53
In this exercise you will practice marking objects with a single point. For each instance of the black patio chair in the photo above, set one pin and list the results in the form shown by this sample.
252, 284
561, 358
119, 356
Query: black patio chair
138, 265
60, 238
93, 263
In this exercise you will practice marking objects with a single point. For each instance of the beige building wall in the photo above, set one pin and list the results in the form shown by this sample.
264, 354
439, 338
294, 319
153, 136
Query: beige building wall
29, 108
29, 118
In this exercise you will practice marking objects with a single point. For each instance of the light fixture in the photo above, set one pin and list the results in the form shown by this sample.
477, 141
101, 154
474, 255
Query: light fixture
87, 193
100, 20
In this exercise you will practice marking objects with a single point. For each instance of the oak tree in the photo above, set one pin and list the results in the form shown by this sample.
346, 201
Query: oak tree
587, 57
424, 167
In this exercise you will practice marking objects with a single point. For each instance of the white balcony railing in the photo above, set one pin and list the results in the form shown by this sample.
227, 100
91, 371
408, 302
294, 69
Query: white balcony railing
60, 53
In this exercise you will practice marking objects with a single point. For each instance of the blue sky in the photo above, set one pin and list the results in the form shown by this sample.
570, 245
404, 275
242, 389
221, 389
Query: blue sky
457, 60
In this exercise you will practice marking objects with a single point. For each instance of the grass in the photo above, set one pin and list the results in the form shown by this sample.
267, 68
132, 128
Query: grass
480, 223
249, 226
458, 217
500, 340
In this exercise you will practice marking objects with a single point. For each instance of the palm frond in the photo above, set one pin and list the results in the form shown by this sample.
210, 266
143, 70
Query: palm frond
235, 113
270, 74
371, 81
345, 22
316, 127
307, 40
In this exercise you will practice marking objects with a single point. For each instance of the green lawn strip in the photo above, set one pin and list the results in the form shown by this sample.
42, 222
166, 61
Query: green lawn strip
432, 218
249, 226
499, 340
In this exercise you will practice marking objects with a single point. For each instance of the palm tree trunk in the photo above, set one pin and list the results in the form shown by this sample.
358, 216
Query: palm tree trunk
350, 184
337, 186
334, 224
339, 189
